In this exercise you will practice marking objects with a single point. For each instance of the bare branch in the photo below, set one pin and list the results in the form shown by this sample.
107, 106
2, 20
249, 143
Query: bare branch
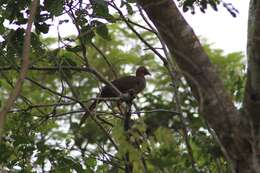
216, 103
138, 35
85, 69
105, 58
25, 56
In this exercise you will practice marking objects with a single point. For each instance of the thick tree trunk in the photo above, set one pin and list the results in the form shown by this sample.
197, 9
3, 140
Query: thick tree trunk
232, 128
252, 92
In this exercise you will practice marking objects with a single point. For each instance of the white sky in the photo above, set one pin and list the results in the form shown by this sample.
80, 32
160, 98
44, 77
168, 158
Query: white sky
219, 28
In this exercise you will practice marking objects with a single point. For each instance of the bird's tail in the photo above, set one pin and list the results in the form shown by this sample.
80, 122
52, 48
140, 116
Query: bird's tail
90, 108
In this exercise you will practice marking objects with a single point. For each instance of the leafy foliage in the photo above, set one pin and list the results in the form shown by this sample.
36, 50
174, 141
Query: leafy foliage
42, 132
203, 6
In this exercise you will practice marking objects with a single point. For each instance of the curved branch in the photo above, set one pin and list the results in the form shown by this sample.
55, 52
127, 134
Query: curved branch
216, 105
105, 58
163, 59
25, 56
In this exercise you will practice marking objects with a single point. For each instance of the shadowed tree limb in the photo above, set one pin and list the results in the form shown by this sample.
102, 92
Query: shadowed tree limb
106, 59
25, 64
216, 105
175, 82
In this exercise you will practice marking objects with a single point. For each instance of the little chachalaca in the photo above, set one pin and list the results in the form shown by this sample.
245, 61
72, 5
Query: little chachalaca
128, 84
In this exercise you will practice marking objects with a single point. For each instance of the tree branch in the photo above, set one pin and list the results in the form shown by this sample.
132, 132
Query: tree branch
25, 64
85, 69
138, 35
105, 58
215, 102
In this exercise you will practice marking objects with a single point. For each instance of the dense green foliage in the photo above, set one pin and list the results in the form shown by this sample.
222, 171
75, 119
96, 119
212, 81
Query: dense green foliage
41, 131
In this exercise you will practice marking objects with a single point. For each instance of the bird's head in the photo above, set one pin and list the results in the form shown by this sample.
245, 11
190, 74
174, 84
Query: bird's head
142, 71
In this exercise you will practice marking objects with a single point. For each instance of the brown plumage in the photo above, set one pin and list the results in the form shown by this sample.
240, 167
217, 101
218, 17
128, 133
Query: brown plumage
128, 84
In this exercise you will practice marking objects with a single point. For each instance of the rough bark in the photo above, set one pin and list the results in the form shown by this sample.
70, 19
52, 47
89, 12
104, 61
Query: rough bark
252, 92
25, 65
232, 128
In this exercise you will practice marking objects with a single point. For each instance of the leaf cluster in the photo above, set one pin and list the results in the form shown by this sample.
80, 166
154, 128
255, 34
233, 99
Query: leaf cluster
42, 132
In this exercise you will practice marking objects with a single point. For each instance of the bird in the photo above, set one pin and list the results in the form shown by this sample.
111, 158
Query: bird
126, 85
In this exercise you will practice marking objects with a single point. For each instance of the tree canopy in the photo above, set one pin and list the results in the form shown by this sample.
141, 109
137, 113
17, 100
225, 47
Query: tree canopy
182, 122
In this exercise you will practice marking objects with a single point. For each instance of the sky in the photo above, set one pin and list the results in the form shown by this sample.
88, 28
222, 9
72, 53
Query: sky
220, 28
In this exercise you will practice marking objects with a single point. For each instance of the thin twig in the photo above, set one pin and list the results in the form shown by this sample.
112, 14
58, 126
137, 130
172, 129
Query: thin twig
104, 130
25, 64
75, 21
86, 69
105, 58
50, 90
175, 85
177, 100
164, 60
141, 26
157, 110
25, 100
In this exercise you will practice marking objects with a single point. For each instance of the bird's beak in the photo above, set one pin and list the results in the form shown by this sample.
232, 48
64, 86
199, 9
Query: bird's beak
148, 73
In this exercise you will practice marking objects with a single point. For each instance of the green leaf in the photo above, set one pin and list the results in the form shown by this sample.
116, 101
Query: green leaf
20, 19
44, 27
74, 49
213, 4
129, 9
20, 140
91, 163
55, 7
2, 29
87, 34
69, 162
69, 62
5, 152
100, 8
102, 30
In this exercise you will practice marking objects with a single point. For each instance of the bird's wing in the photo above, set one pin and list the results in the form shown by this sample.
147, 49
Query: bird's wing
125, 84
